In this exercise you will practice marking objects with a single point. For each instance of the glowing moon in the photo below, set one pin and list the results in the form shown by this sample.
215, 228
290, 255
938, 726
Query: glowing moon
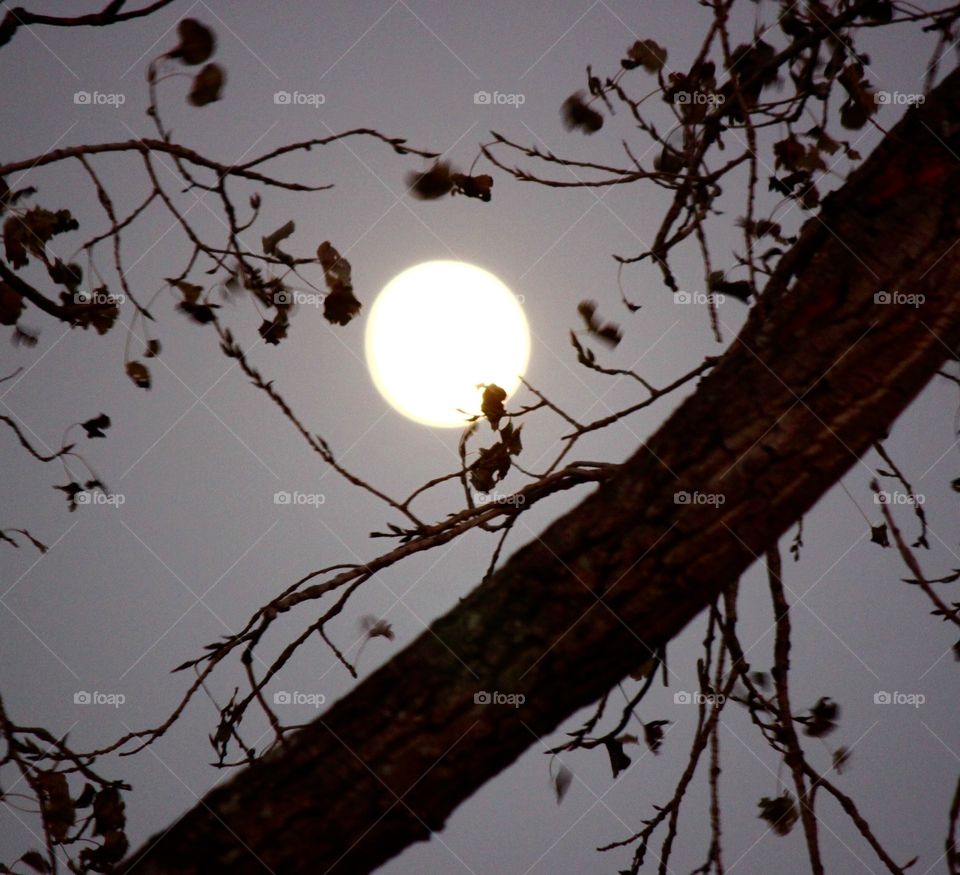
438, 330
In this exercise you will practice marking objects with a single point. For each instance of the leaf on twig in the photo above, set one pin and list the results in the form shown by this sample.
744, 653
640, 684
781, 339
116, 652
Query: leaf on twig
207, 85
197, 42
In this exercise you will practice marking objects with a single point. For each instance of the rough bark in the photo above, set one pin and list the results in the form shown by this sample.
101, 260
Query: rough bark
819, 372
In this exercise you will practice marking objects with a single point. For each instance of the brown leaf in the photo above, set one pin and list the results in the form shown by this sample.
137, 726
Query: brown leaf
431, 184
207, 85
197, 42
561, 783
94, 427
340, 305
55, 804
492, 404
191, 291
647, 54
578, 116
472, 186
780, 812
11, 305
618, 759
137, 371
108, 813
274, 331
608, 332
201, 313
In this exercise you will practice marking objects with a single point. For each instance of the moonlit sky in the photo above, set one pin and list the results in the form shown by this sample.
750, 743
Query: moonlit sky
124, 595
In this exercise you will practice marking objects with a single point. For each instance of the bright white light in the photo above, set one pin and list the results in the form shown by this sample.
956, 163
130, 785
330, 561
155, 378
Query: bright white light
436, 332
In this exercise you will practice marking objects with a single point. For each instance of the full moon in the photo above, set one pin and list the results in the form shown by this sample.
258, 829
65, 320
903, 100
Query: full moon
437, 332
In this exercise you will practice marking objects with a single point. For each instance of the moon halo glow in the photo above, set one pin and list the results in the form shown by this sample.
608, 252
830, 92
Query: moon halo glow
438, 331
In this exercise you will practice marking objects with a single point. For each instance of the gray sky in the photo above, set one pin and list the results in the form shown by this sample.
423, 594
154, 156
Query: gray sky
198, 545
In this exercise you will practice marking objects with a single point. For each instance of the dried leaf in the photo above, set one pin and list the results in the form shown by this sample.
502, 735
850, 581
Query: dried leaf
137, 371
472, 186
11, 305
492, 404
780, 812
561, 783
207, 85
197, 42
431, 184
94, 427
647, 54
578, 116
618, 759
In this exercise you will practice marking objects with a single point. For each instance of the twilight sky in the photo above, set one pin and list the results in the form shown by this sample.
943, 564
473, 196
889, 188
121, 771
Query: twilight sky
126, 593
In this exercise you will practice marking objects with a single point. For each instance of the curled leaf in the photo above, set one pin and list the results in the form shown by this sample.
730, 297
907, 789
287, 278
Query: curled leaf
207, 85
472, 186
137, 371
492, 404
94, 427
197, 42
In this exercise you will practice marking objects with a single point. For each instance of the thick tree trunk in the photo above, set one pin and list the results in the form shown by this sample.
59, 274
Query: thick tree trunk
820, 371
